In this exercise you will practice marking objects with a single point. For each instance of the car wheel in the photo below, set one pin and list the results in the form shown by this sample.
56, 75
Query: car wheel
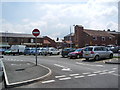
111, 56
78, 56
58, 53
87, 59
96, 58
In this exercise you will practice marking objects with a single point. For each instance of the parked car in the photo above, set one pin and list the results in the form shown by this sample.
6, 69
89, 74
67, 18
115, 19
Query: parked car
97, 52
7, 52
44, 51
27, 51
53, 51
78, 53
2, 50
65, 51
113, 48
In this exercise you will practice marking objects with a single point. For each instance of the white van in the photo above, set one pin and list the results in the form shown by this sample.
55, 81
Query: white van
17, 49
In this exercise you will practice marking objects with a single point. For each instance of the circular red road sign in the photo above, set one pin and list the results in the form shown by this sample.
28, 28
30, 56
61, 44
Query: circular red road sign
35, 32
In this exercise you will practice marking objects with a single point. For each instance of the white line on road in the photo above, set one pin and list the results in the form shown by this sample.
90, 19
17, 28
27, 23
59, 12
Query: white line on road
79, 76
97, 72
86, 73
100, 65
60, 76
116, 74
103, 73
90, 64
59, 65
114, 68
65, 78
105, 70
63, 67
66, 69
49, 81
111, 71
92, 75
74, 74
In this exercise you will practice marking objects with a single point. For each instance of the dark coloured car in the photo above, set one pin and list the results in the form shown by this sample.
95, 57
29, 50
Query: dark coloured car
2, 50
28, 51
65, 51
78, 53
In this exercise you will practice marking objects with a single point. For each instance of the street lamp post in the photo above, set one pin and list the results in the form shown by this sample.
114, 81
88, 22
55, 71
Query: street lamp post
70, 38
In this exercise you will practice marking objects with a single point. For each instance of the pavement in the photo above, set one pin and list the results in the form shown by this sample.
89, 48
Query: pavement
117, 61
23, 72
113, 62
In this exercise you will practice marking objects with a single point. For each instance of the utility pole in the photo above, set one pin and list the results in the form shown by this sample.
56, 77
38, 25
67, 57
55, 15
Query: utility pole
70, 38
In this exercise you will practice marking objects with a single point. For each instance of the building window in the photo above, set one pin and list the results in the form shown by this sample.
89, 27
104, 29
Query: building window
94, 38
32, 40
110, 38
103, 38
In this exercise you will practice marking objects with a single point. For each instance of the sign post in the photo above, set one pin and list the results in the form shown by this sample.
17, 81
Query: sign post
36, 32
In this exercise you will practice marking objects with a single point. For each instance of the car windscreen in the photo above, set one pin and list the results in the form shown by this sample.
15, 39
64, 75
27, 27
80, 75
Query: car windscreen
67, 49
88, 49
78, 50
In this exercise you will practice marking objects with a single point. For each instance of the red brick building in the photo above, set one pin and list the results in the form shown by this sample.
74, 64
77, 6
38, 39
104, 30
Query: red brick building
84, 37
25, 39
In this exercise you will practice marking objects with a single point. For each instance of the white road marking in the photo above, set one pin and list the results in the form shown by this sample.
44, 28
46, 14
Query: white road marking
111, 71
63, 67
116, 74
79, 76
90, 64
86, 73
103, 73
49, 81
114, 68
100, 65
97, 72
105, 70
92, 75
74, 74
66, 69
60, 76
65, 78
59, 65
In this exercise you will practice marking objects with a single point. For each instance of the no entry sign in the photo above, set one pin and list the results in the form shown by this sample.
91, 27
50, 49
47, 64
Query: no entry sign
35, 32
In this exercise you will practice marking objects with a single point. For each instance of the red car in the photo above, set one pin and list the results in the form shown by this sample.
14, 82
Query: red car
78, 53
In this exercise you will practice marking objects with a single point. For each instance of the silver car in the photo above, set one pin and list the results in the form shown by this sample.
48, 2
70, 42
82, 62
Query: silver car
97, 52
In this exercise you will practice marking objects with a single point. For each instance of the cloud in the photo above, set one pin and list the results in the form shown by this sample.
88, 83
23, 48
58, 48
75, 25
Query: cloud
54, 20
26, 20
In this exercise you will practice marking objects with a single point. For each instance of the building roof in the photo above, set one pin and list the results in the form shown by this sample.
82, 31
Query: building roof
16, 35
46, 42
98, 33
72, 34
113, 32
68, 42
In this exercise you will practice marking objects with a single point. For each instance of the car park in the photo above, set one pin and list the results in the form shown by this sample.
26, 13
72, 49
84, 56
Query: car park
97, 52
65, 51
78, 53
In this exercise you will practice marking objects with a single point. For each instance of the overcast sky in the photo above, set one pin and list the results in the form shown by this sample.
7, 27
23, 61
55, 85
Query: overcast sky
54, 17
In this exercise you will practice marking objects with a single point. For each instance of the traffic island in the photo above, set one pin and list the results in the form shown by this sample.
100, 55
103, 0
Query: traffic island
21, 72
